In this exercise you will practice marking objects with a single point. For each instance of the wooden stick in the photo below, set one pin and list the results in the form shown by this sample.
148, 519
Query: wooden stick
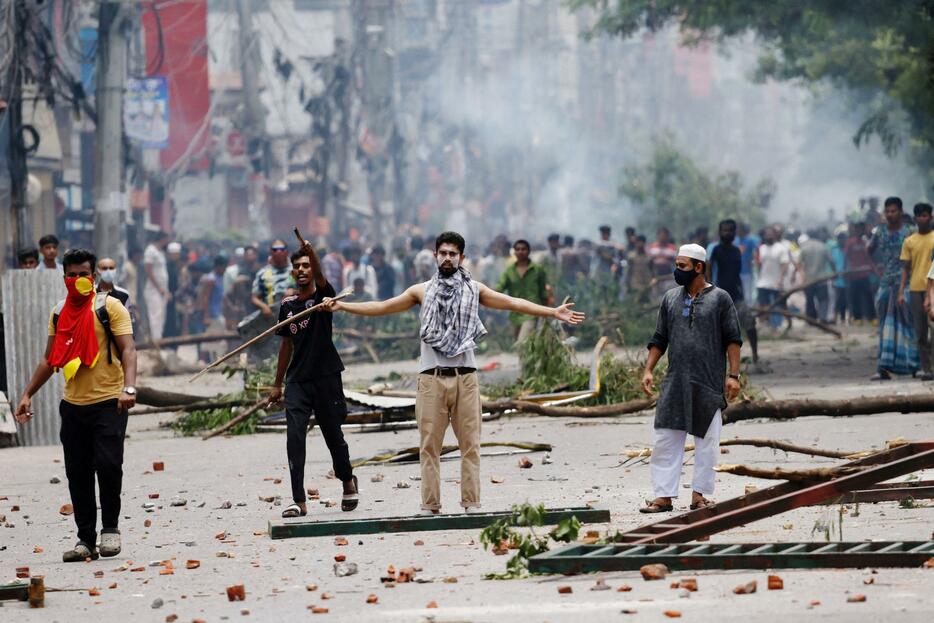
857, 405
188, 339
194, 406
796, 475
767, 311
262, 402
347, 292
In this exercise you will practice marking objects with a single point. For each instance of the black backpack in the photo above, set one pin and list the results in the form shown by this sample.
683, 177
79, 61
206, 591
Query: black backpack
100, 310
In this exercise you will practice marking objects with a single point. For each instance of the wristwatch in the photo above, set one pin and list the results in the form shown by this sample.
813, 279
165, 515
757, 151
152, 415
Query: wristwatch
734, 376
130, 390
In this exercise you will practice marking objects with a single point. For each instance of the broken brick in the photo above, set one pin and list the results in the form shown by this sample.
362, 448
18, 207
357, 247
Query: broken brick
98, 574
929, 563
340, 541
37, 550
167, 571
565, 590
22, 572
406, 575
158, 466
171, 618
236, 593
419, 543
625, 588
94, 592
814, 602
746, 589
653, 572
432, 604
147, 523
776, 583
689, 584
220, 536
153, 496
855, 599
66, 509
318, 610
313, 494
14, 508
525, 463
340, 558
327, 596
869, 581
192, 564
311, 587
112, 586
496, 480
372, 599
672, 614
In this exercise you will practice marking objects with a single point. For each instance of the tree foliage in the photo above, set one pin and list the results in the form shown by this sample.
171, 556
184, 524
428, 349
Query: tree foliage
881, 51
677, 193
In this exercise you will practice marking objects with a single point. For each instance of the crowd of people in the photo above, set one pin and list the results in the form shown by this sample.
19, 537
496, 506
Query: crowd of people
879, 263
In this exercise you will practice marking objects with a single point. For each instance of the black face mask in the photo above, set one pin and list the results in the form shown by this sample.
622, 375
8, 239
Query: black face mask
685, 277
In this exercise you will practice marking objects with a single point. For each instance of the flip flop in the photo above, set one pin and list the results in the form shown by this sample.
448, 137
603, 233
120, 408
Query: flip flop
652, 507
293, 510
349, 501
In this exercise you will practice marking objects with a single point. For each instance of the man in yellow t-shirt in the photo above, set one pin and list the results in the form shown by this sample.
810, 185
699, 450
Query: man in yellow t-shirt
98, 393
916, 262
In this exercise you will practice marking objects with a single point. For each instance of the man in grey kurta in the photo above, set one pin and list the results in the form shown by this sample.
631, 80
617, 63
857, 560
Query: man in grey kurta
699, 328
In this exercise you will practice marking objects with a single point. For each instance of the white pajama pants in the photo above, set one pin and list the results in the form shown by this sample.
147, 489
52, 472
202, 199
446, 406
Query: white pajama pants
668, 456
155, 311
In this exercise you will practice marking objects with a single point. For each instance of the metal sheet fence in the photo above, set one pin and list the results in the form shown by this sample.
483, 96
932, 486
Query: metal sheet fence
28, 299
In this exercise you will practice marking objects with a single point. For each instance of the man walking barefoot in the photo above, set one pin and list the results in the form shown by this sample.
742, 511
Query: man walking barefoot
698, 326
312, 369
83, 331
448, 391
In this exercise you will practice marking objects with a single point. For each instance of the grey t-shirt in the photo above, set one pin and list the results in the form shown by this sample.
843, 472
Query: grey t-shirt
696, 343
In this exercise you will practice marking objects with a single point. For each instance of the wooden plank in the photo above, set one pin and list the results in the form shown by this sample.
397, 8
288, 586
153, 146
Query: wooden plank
461, 521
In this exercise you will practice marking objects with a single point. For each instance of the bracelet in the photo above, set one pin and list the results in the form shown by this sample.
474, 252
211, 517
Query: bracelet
734, 376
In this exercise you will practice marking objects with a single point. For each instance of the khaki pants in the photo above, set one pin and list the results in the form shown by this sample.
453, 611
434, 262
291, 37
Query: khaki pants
454, 399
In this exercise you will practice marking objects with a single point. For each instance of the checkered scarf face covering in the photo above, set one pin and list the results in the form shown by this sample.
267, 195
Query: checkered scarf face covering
451, 314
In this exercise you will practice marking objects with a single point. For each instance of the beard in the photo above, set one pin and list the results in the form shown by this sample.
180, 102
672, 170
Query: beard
447, 270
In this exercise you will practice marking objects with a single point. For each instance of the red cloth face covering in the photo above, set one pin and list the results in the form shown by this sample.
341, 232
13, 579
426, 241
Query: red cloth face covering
75, 342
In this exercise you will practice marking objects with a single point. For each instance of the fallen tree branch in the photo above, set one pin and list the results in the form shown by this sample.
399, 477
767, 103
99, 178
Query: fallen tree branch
184, 340
804, 286
823, 326
194, 406
524, 406
795, 475
411, 455
864, 405
158, 398
766, 443
262, 402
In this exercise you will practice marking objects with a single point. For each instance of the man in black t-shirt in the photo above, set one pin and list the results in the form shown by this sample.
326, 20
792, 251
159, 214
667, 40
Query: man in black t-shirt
311, 367
723, 270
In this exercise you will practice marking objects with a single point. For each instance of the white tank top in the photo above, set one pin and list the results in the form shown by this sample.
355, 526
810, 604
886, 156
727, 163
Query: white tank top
430, 358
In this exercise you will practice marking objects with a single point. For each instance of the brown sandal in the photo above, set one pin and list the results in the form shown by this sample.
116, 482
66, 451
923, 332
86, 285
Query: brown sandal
701, 503
653, 507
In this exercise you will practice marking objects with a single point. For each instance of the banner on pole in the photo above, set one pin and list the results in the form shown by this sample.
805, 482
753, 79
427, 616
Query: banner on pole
146, 112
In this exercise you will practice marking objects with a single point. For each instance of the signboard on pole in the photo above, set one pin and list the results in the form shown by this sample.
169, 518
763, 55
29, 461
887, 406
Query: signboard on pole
146, 112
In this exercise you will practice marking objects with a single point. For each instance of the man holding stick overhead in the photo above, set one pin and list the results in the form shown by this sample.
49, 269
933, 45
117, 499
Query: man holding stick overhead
447, 386
312, 369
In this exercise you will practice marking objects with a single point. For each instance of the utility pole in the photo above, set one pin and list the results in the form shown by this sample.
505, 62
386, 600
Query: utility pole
109, 197
16, 154
254, 121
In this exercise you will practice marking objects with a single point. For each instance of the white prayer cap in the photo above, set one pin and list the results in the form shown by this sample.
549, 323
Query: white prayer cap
173, 247
693, 251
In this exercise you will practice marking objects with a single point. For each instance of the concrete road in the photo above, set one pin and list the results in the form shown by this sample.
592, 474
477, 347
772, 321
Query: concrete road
586, 455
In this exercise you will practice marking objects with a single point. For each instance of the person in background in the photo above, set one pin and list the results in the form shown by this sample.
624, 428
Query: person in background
156, 291
524, 280
858, 265
27, 258
107, 278
662, 252
916, 263
898, 350
48, 247
332, 264
816, 263
211, 302
385, 275
639, 271
192, 315
247, 264
748, 244
774, 260
630, 239
173, 322
273, 280
839, 283
724, 270
356, 269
